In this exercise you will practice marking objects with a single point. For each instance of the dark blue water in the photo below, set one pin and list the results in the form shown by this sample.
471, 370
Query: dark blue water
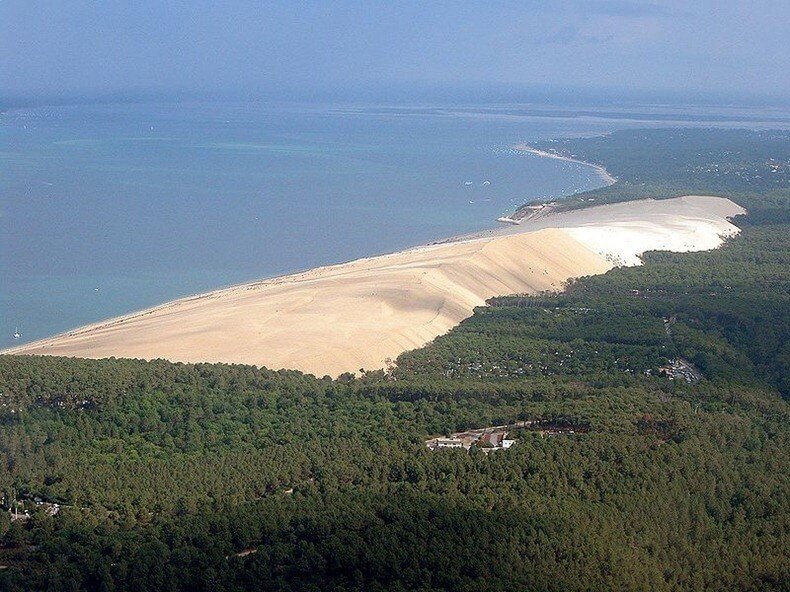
105, 209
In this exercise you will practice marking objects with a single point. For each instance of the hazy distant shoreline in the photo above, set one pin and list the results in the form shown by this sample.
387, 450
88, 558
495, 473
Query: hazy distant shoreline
605, 175
519, 215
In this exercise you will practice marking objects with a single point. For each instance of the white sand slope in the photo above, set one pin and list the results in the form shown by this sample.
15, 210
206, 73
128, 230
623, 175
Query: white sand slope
359, 314
692, 223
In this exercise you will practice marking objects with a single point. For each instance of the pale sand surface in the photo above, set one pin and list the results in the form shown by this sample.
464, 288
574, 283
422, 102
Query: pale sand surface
357, 315
601, 170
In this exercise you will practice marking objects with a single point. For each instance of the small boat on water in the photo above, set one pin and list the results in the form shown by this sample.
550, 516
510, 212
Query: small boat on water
17, 334
467, 183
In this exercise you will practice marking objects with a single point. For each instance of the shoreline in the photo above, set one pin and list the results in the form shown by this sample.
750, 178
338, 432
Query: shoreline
290, 277
532, 211
494, 230
217, 292
364, 313
605, 175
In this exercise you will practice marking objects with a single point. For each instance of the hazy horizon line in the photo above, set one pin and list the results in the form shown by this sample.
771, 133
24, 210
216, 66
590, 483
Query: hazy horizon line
468, 93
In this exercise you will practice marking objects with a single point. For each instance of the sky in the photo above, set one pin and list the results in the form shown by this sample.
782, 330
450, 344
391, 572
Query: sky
713, 48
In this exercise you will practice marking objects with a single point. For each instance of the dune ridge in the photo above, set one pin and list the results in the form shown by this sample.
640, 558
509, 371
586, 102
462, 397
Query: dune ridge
364, 313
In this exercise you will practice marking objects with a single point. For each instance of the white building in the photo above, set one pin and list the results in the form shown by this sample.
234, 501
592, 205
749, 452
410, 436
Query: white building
445, 443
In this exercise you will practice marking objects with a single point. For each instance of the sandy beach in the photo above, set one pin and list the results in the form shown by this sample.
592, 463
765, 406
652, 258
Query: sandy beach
605, 175
366, 312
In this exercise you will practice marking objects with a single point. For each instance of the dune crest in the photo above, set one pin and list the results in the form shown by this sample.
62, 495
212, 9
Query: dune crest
359, 314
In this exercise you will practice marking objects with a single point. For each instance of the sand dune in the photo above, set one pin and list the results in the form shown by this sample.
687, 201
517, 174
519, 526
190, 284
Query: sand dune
359, 314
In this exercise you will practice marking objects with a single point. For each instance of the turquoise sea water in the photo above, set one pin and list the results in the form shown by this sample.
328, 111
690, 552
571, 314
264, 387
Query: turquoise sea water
105, 209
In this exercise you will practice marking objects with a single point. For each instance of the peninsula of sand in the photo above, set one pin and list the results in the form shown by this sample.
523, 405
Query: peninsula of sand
366, 312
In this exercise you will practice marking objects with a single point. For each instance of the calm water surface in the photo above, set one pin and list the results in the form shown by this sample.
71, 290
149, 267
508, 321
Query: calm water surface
105, 209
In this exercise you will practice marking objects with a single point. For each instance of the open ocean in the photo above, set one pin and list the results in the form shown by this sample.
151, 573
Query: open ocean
106, 209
